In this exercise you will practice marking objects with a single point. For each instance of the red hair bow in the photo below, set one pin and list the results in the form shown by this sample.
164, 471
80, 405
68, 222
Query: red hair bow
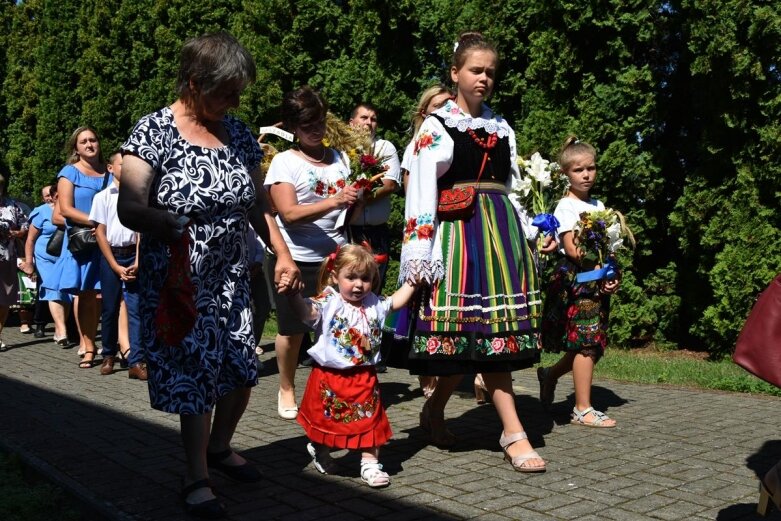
331, 259
379, 258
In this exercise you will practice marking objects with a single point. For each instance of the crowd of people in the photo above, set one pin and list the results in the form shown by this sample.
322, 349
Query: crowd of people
172, 232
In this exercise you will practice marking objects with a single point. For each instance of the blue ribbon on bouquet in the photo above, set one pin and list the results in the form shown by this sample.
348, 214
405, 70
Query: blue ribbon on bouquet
547, 223
609, 272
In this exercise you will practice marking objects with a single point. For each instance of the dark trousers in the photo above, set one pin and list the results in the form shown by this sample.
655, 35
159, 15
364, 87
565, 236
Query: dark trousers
111, 289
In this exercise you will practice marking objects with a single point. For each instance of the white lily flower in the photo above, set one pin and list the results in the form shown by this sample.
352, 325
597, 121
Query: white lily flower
614, 237
522, 185
539, 170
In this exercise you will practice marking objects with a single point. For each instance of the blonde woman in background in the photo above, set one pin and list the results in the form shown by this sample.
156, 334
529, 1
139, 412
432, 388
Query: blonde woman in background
430, 100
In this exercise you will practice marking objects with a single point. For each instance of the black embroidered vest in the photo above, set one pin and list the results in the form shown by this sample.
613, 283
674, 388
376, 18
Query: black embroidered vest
468, 156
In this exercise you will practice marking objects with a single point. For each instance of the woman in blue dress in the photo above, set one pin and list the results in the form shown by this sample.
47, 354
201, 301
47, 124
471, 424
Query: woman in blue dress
77, 183
40, 262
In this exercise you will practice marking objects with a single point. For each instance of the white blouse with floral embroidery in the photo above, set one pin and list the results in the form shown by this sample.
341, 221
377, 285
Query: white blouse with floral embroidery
421, 251
346, 335
312, 241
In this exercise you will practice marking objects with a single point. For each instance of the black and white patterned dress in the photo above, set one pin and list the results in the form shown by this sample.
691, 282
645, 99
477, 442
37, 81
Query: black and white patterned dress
213, 187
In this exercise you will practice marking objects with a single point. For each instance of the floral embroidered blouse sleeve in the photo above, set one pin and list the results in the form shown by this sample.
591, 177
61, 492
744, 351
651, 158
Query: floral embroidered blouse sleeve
431, 158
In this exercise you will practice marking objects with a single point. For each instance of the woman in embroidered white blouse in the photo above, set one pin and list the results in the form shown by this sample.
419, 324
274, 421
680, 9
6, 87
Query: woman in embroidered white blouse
481, 308
307, 186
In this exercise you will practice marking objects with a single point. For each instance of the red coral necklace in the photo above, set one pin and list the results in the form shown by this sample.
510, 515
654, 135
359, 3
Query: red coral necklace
486, 144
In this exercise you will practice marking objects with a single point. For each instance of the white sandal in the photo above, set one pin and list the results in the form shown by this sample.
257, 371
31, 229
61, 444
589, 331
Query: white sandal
321, 459
519, 462
599, 418
373, 475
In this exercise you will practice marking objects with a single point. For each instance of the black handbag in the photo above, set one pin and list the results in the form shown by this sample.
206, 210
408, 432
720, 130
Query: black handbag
54, 244
81, 239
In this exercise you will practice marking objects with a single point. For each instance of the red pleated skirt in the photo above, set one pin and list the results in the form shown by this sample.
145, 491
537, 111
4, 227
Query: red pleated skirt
342, 409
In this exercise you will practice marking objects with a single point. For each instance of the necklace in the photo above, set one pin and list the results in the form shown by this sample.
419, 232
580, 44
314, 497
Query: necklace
486, 144
312, 159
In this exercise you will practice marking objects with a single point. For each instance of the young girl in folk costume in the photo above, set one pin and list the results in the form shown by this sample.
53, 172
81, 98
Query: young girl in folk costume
576, 315
341, 407
481, 307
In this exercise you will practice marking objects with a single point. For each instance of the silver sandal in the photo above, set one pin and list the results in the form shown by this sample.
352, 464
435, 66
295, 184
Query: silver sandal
599, 418
518, 462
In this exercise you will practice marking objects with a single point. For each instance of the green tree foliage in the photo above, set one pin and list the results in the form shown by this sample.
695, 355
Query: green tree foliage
681, 99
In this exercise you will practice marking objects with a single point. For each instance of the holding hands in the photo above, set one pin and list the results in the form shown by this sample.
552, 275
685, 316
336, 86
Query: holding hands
287, 277
128, 274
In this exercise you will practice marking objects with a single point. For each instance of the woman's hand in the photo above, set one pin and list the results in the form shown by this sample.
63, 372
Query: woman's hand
287, 276
18, 234
347, 196
27, 268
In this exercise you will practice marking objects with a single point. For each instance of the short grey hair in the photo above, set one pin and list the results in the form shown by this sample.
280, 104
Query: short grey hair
210, 61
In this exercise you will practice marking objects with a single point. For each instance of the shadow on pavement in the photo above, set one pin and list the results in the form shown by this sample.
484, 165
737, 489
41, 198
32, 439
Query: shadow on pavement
120, 466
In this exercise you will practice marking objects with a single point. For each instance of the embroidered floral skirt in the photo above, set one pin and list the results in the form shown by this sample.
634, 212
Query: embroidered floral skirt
342, 409
575, 316
484, 316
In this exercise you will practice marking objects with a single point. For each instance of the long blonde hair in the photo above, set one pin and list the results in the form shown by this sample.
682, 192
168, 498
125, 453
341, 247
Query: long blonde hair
425, 98
356, 256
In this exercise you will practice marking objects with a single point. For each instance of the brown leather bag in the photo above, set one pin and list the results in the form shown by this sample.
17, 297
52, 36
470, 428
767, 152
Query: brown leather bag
758, 349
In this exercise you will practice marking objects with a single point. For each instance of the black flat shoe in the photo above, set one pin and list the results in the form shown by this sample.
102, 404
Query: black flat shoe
209, 509
246, 473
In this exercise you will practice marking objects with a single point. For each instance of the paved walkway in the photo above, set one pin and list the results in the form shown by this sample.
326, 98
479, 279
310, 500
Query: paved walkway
677, 453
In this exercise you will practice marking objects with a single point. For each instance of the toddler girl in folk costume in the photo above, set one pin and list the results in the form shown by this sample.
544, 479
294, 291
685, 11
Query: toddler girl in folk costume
341, 407
575, 315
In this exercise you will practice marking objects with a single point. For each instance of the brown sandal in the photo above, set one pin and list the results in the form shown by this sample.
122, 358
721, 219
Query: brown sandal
435, 426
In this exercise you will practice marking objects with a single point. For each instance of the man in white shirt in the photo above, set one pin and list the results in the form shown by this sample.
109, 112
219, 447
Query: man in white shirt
370, 220
118, 271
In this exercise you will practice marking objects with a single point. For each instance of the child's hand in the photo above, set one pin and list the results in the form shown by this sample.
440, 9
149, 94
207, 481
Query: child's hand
609, 287
549, 244
284, 283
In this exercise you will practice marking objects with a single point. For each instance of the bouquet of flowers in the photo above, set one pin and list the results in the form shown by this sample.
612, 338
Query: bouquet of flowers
599, 234
366, 168
539, 178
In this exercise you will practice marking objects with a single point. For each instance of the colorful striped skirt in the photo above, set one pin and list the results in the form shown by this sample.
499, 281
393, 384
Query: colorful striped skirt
484, 315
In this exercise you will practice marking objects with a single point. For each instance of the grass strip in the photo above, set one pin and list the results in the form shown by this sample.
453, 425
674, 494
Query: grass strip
660, 367
24, 498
